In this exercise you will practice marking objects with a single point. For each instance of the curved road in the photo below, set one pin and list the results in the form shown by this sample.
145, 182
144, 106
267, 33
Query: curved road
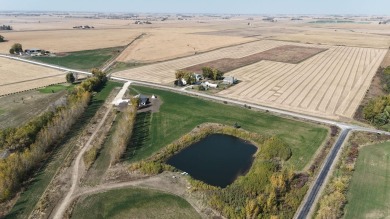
312, 195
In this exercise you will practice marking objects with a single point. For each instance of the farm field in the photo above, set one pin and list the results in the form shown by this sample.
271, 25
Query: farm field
369, 193
170, 43
133, 203
82, 60
57, 41
330, 84
287, 54
18, 108
339, 37
25, 76
173, 120
164, 72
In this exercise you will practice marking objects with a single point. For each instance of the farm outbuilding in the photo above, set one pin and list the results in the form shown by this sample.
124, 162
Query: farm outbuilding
229, 80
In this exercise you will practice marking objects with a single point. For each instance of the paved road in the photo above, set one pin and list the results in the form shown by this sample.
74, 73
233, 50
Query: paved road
303, 212
310, 202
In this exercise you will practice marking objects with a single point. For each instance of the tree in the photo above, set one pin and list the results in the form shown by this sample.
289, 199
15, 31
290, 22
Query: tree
16, 48
99, 74
189, 78
216, 74
179, 74
1, 38
207, 72
70, 78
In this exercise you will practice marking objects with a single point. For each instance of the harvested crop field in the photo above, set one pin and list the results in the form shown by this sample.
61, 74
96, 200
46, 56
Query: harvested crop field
287, 54
330, 84
170, 43
164, 72
19, 76
69, 40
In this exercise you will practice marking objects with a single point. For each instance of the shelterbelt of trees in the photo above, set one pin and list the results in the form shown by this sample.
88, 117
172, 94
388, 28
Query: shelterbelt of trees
377, 111
29, 144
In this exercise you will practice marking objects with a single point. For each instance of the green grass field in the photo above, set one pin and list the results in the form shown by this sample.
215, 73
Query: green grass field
34, 191
133, 203
369, 191
55, 88
179, 114
83, 60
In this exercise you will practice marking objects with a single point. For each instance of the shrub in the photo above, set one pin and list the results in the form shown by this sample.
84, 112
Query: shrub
16, 48
89, 157
70, 78
275, 148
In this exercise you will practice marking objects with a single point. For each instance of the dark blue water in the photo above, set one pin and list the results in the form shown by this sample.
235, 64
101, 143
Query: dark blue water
216, 160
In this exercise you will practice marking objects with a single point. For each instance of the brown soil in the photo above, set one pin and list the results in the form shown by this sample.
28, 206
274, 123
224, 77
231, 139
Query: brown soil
287, 54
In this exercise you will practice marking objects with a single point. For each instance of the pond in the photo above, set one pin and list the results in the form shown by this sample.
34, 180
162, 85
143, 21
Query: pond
216, 160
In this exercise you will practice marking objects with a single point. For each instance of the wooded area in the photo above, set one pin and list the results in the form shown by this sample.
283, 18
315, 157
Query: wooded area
29, 144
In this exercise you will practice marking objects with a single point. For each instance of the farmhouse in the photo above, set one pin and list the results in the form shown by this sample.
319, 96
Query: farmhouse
32, 51
198, 77
143, 100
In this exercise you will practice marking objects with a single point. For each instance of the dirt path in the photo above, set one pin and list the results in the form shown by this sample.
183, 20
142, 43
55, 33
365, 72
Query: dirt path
168, 182
58, 212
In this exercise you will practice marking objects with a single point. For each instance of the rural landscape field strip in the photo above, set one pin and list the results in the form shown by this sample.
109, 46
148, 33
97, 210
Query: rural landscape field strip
164, 72
17, 87
363, 83
330, 84
369, 193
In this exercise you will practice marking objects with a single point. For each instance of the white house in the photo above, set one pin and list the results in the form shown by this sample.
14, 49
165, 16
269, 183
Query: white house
198, 77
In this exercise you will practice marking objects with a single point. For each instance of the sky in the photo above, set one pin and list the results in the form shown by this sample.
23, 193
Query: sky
359, 7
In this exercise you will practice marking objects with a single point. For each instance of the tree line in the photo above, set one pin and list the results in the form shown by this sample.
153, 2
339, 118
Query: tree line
5, 27
31, 143
122, 135
377, 110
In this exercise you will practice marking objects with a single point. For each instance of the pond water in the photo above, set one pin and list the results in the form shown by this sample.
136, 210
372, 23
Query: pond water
216, 160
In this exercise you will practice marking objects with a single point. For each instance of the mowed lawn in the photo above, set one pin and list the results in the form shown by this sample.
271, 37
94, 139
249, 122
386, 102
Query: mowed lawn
369, 192
179, 114
133, 203
55, 88
30, 197
82, 60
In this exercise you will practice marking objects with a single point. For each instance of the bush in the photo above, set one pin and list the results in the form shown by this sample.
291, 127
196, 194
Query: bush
275, 148
70, 78
89, 157
1, 38
16, 48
